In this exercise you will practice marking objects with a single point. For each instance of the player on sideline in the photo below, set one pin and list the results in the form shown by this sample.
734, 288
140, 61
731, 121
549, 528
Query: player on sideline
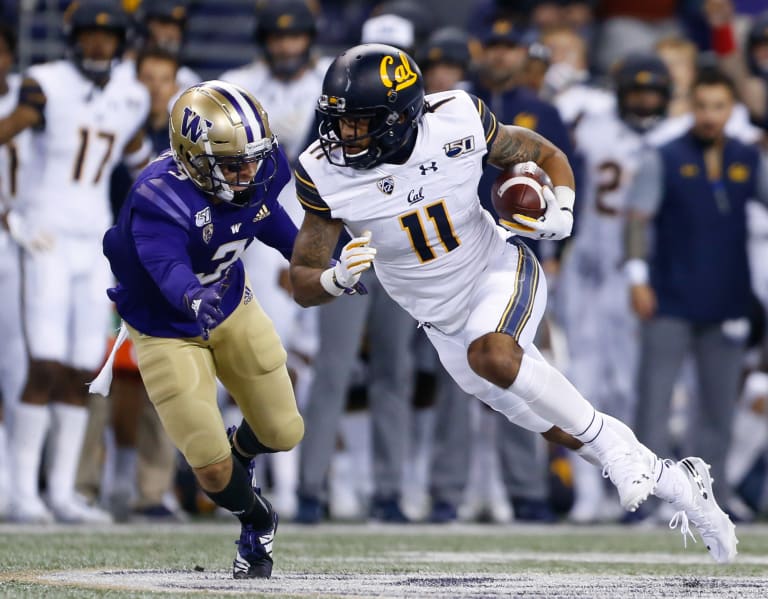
400, 170
188, 307
84, 115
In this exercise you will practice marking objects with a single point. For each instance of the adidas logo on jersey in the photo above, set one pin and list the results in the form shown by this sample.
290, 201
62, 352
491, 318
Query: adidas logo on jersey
261, 214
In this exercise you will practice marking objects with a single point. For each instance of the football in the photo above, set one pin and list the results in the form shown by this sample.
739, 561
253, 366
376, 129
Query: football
519, 191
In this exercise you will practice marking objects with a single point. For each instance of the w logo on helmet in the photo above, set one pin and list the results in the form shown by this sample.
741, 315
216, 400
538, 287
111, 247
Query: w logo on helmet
191, 128
404, 75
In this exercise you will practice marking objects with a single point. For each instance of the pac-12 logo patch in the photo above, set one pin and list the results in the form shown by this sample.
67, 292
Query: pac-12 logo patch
459, 146
207, 233
386, 185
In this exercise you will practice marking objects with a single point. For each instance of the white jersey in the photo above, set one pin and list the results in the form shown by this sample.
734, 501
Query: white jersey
85, 131
612, 153
581, 101
289, 104
431, 233
14, 155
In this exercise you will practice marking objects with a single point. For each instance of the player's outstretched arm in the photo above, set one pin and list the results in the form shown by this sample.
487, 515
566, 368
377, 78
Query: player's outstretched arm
21, 118
517, 144
312, 252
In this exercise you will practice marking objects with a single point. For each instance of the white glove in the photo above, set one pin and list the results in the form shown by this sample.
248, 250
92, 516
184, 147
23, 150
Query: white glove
555, 224
356, 257
31, 241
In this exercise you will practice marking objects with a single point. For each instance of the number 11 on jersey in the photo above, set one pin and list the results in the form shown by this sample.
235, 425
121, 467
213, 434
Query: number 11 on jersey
413, 224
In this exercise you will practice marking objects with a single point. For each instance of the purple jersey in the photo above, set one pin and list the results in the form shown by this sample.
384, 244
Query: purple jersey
170, 240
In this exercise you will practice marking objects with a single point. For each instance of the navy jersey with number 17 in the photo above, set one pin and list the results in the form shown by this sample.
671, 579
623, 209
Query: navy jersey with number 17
170, 239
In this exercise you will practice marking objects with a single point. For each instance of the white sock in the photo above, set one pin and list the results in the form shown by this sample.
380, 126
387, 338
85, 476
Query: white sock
125, 469
27, 437
552, 396
4, 474
67, 435
671, 483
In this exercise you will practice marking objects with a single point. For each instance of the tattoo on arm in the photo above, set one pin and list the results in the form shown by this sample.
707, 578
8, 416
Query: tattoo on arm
311, 256
315, 241
517, 144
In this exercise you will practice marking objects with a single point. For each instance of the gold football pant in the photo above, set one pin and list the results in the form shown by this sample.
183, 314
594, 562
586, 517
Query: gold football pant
245, 353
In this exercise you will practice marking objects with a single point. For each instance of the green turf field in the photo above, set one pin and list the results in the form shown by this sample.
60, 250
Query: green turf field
378, 561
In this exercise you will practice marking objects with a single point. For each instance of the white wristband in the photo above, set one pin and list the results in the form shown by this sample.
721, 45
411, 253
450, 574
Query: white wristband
637, 271
565, 197
328, 281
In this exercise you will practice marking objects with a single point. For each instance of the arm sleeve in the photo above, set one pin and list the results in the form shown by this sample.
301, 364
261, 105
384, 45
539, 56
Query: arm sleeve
645, 191
161, 243
490, 123
32, 95
307, 194
279, 232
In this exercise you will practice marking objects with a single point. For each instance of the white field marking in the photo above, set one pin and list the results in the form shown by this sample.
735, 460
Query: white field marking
448, 584
691, 557
232, 526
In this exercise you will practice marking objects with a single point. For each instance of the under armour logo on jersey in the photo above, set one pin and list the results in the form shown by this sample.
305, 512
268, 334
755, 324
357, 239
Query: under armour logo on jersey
235, 228
191, 126
261, 214
430, 167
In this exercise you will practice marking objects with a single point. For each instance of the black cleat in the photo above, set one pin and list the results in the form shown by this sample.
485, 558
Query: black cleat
254, 552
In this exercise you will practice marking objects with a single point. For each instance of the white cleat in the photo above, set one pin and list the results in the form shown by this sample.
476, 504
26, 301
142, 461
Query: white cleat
77, 511
29, 511
702, 510
631, 472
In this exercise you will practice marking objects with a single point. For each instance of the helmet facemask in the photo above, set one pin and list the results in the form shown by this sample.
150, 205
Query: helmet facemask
387, 132
210, 169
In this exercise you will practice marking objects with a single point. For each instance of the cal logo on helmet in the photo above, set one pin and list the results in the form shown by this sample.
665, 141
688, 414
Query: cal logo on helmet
191, 127
404, 76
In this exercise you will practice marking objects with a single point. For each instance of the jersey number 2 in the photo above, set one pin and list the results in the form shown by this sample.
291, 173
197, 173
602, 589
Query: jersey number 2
412, 223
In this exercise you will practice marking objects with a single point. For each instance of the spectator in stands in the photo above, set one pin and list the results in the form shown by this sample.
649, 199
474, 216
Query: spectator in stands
749, 68
681, 57
691, 287
157, 69
162, 24
632, 26
568, 83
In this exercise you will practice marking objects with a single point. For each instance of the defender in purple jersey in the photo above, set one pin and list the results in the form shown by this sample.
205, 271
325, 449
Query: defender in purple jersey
185, 299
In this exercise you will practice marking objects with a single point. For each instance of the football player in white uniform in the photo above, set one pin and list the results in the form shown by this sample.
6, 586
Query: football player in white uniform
13, 157
83, 121
400, 170
591, 299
